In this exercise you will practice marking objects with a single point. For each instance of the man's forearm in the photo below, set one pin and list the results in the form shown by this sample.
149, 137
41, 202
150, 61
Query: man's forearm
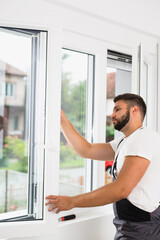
107, 194
77, 141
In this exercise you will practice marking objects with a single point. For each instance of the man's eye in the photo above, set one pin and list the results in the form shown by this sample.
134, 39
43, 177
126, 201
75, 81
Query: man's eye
117, 109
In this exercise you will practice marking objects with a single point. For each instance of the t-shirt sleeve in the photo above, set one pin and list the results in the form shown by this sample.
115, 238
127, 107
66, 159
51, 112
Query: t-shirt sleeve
115, 143
140, 146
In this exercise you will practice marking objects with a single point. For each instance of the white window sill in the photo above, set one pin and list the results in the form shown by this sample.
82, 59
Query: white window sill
85, 214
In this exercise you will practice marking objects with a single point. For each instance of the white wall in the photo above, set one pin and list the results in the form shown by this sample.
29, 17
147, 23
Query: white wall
140, 15
90, 26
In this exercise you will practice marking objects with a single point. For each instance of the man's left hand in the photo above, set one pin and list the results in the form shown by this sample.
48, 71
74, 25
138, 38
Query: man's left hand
59, 203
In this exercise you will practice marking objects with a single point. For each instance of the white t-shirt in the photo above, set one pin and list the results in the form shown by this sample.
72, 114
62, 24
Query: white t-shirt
143, 143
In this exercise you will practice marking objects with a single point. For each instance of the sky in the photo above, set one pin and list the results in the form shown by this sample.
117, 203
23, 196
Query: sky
15, 50
77, 64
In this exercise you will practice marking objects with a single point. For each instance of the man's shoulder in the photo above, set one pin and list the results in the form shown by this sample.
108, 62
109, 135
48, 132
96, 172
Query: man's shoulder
147, 133
151, 132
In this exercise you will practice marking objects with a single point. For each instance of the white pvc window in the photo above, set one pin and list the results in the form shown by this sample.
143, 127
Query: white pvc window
77, 103
22, 64
145, 74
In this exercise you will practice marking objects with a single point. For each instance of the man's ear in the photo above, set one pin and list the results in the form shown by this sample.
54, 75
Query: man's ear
135, 109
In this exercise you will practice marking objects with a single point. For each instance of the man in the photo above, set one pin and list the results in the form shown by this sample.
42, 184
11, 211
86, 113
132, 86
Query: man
135, 191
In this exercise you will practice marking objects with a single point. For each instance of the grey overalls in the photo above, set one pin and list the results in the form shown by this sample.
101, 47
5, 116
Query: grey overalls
131, 222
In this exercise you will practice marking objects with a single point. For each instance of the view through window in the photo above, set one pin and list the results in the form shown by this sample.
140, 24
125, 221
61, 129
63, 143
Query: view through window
14, 77
118, 77
77, 73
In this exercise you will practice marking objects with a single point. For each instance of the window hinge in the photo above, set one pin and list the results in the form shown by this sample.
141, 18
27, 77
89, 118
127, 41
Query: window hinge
35, 192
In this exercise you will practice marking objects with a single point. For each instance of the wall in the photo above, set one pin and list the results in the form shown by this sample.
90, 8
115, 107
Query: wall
135, 15
91, 27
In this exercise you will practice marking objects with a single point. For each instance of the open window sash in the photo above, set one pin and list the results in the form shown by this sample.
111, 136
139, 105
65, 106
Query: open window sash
35, 130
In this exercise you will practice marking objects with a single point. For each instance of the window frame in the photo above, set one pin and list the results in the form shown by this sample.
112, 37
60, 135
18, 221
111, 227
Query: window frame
47, 225
158, 87
36, 86
83, 44
148, 83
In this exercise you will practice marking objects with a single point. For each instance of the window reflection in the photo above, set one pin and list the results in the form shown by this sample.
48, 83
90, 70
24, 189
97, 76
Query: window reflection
14, 121
74, 79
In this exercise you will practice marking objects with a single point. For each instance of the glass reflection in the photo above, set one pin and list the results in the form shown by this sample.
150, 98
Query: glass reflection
73, 98
15, 65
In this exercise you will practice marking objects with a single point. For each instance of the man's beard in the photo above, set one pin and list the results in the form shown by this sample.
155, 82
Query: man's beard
122, 121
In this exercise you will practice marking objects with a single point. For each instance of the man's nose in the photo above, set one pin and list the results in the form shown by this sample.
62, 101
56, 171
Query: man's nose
112, 115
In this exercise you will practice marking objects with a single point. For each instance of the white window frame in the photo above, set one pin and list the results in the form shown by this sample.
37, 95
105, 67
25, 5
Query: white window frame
82, 44
158, 87
93, 46
36, 116
148, 84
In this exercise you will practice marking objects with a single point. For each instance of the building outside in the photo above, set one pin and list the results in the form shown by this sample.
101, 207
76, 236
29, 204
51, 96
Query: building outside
12, 99
13, 177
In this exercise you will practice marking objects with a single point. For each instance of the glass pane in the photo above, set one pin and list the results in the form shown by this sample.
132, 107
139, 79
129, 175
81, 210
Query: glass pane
119, 72
74, 80
15, 66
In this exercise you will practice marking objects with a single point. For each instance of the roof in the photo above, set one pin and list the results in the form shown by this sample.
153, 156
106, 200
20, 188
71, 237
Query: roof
11, 70
111, 85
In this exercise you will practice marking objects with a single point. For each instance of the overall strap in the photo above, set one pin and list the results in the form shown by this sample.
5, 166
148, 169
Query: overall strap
114, 166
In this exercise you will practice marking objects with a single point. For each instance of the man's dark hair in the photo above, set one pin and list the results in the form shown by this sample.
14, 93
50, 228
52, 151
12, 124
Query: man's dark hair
133, 100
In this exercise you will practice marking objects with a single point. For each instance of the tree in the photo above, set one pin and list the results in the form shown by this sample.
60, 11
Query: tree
14, 148
73, 99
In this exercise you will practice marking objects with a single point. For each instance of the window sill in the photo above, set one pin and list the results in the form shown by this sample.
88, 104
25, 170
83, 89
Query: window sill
86, 214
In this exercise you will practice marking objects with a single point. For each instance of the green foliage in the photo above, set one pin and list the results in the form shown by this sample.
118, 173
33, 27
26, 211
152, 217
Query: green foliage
74, 103
69, 158
14, 149
3, 160
109, 131
73, 99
